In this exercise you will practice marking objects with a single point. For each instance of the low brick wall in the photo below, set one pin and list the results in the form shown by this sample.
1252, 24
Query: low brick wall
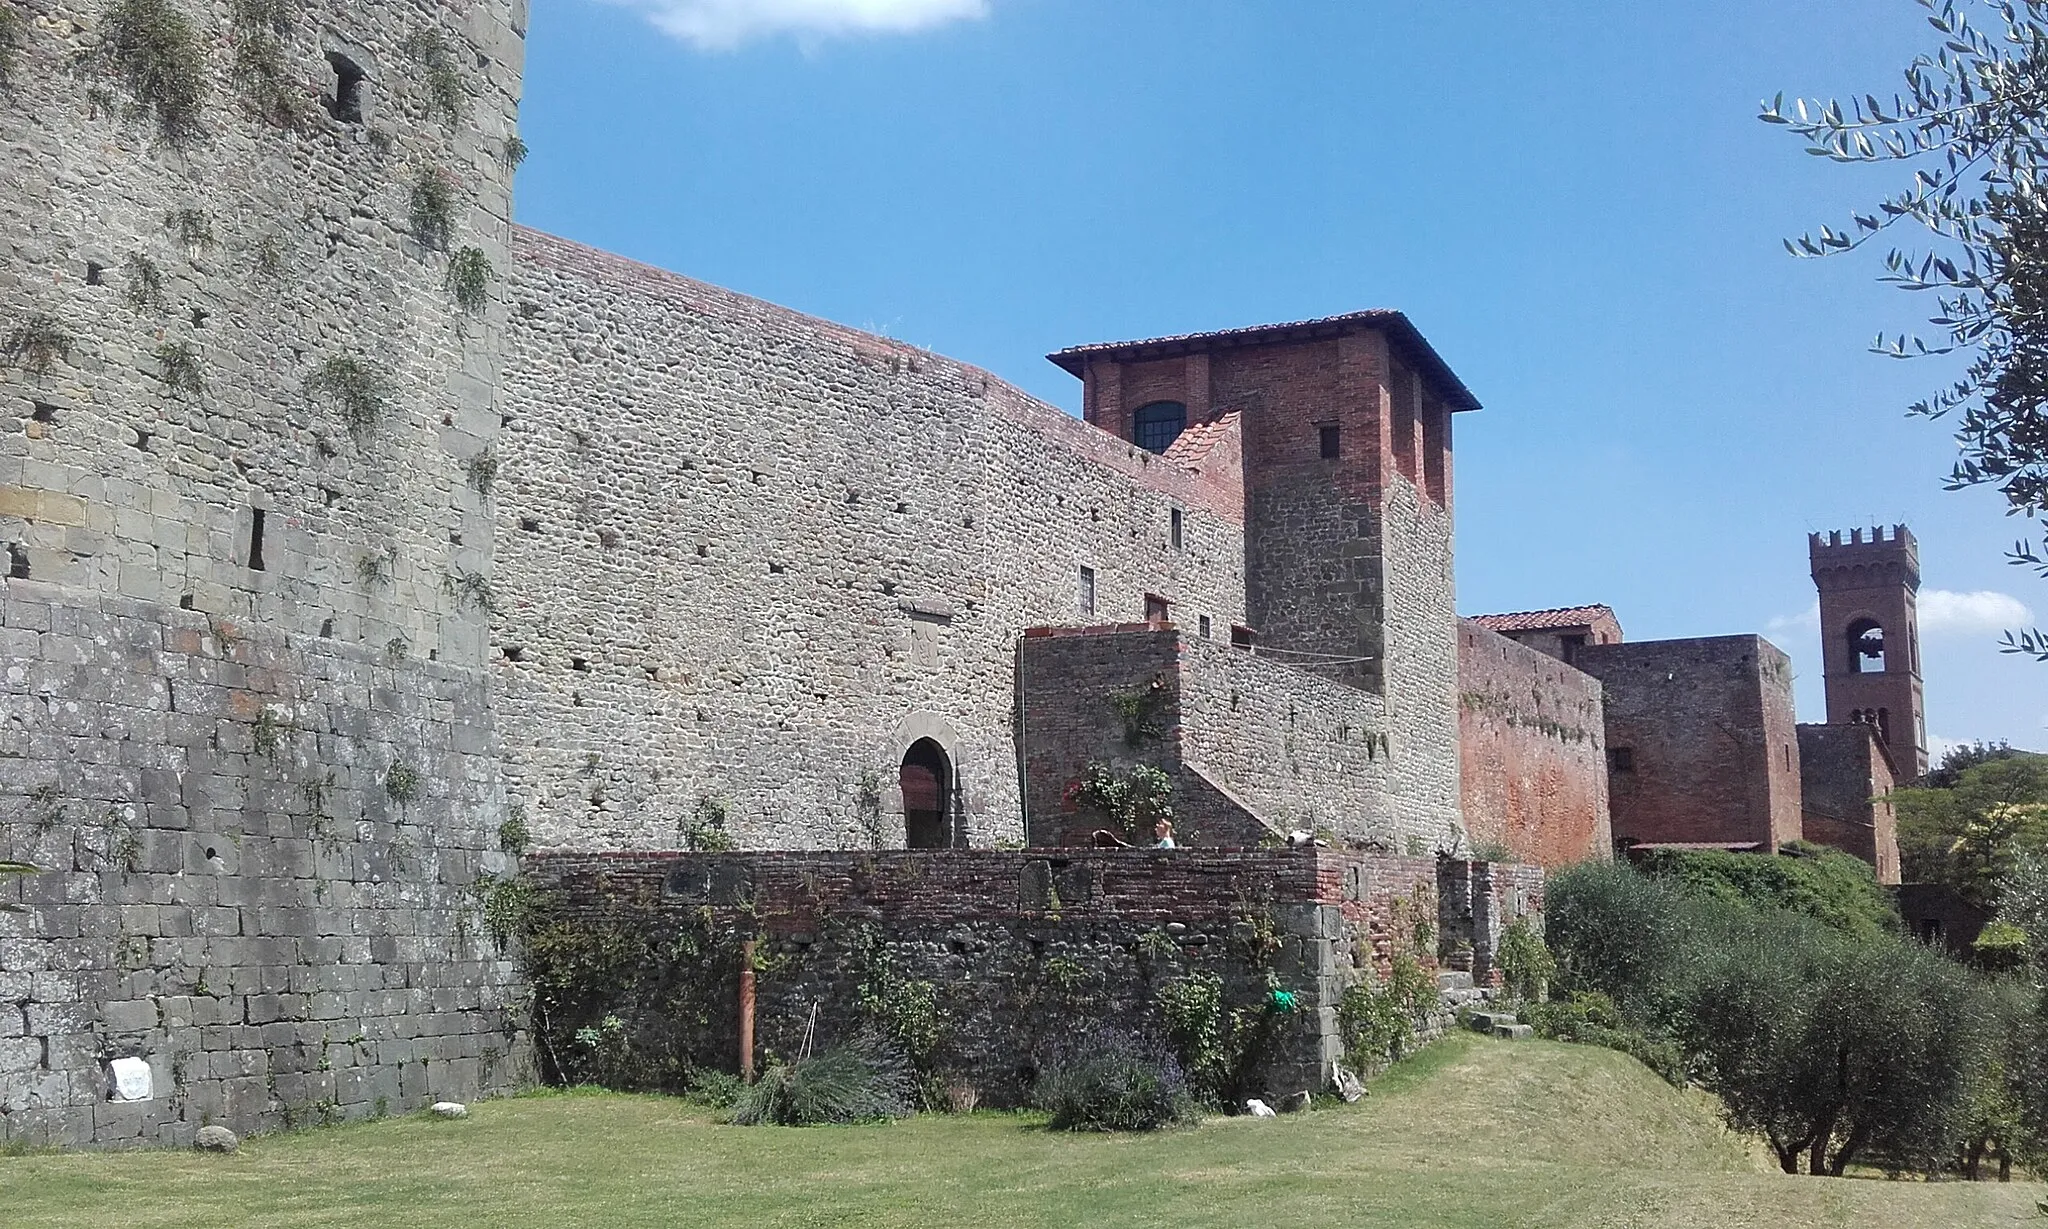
1030, 950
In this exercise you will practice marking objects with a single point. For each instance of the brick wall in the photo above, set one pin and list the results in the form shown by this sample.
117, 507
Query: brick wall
1708, 727
1846, 784
1030, 950
170, 689
1532, 746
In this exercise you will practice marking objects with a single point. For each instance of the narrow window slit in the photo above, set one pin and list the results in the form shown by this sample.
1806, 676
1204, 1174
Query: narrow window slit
256, 524
17, 562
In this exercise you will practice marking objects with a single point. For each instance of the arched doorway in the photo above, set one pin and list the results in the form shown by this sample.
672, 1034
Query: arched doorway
927, 780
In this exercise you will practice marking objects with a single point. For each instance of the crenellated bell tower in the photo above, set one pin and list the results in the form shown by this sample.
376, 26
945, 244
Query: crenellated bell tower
1870, 636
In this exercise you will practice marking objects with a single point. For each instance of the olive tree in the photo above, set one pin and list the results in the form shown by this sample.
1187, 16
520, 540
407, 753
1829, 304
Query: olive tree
1972, 128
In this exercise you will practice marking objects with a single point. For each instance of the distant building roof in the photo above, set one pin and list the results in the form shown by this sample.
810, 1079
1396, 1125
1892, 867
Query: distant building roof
1542, 620
1699, 846
1409, 338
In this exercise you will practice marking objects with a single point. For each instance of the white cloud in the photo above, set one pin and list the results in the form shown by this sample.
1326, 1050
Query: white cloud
1790, 627
1942, 611
720, 25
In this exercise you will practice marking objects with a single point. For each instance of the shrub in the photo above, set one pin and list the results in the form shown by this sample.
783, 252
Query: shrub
515, 152
1132, 803
847, 1084
1111, 1082
1377, 1020
718, 1089
1827, 885
403, 782
1614, 931
513, 835
191, 227
1589, 1018
1526, 964
157, 53
2000, 946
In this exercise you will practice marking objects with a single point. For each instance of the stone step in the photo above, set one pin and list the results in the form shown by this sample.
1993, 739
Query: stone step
1449, 980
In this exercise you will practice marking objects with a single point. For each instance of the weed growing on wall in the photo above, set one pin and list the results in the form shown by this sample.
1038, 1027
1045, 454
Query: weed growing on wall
156, 52
469, 279
481, 471
506, 902
470, 590
902, 1011
513, 836
354, 391
430, 48
142, 284
705, 831
433, 209
403, 782
1131, 803
36, 345
1139, 712
515, 152
14, 34
178, 367
867, 806
258, 29
267, 256
626, 994
191, 228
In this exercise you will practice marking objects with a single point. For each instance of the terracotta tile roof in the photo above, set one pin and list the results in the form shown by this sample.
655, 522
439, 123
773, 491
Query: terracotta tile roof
1194, 443
1539, 620
1396, 325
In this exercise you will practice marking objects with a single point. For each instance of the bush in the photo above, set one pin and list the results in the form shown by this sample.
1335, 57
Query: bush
1614, 931
1377, 1019
1827, 885
1526, 964
1589, 1018
847, 1084
156, 51
718, 1089
1110, 1082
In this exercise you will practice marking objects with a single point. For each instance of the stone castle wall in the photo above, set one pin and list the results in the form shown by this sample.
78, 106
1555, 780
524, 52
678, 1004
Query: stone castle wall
1533, 745
236, 629
753, 556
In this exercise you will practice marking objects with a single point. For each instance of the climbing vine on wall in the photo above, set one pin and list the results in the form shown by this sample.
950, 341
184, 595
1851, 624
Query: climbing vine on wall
36, 345
1139, 710
258, 30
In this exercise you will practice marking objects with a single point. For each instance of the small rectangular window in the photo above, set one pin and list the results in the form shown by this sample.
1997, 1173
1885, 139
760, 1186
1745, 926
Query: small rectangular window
1332, 441
1156, 609
1173, 528
1621, 759
1241, 638
1205, 627
1087, 591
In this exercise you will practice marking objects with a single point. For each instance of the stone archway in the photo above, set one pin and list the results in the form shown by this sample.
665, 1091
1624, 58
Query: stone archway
926, 779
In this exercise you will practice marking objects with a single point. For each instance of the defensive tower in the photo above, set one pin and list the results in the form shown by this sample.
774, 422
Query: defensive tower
1870, 636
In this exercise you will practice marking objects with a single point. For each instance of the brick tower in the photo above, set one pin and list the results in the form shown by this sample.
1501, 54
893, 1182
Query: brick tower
1870, 637
1346, 436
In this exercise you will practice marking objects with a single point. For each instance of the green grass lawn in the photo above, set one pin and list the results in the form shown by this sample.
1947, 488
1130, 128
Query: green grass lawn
1470, 1133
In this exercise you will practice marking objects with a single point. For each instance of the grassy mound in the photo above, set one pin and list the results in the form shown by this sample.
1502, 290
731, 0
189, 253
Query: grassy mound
1470, 1132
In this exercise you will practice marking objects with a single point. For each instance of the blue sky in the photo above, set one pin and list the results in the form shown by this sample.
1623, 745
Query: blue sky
1575, 203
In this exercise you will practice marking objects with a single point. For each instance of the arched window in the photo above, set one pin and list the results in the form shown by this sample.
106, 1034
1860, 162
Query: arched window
1866, 640
1154, 427
927, 781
